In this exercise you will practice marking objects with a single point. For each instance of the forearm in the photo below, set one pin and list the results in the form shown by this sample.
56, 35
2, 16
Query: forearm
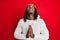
20, 36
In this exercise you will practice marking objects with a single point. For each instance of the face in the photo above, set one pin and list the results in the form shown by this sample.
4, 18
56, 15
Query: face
30, 8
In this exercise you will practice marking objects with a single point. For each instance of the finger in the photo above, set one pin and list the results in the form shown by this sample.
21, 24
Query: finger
29, 25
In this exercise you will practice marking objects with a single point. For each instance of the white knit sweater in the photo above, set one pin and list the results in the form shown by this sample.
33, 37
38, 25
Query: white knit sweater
38, 26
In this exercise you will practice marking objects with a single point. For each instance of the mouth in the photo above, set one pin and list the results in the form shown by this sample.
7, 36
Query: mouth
30, 14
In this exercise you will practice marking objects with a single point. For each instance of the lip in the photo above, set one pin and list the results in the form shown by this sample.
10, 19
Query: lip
30, 13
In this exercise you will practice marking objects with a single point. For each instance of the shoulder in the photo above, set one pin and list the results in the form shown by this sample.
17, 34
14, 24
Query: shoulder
21, 20
41, 21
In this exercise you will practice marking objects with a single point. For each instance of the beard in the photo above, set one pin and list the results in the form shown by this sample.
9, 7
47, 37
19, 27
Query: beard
30, 16
30, 13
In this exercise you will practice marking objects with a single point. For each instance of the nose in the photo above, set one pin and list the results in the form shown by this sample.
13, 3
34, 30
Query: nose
30, 9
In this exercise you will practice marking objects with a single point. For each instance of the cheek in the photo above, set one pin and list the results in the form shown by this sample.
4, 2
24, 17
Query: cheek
31, 10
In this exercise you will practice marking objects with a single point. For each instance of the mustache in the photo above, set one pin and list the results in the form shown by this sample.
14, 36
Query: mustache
30, 14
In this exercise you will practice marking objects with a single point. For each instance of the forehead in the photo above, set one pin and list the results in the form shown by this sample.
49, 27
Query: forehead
30, 5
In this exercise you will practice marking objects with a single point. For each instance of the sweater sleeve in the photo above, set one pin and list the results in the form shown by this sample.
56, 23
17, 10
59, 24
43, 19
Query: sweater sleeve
18, 30
44, 34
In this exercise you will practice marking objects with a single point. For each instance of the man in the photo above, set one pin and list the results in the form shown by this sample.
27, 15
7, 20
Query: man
31, 27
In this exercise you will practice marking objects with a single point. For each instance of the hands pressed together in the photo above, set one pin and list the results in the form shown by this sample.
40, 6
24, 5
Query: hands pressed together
30, 32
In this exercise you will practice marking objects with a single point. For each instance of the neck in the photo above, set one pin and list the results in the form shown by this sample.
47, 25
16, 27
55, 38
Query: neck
31, 17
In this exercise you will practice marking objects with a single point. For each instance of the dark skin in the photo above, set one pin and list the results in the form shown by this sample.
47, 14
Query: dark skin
30, 17
30, 32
